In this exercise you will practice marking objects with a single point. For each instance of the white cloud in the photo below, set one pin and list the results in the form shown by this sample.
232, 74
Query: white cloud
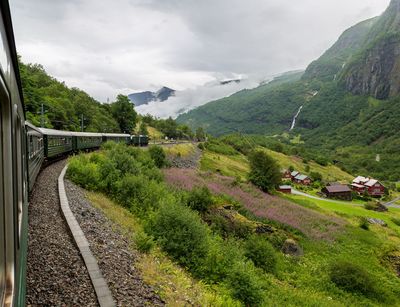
193, 97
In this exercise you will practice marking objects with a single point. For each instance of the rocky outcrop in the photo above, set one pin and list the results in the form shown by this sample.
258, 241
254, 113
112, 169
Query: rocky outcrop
377, 73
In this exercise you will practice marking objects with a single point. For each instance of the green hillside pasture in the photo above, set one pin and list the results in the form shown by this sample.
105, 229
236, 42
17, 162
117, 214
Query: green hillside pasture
329, 173
231, 166
351, 211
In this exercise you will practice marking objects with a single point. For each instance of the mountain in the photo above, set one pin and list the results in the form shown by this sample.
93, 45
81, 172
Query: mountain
145, 97
345, 106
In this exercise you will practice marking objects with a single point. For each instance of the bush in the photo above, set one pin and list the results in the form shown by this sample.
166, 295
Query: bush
261, 252
396, 221
264, 171
200, 199
245, 284
158, 156
143, 241
371, 205
315, 176
180, 232
352, 278
364, 224
84, 173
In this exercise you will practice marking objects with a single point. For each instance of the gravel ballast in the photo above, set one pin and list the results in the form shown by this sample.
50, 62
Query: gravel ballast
56, 274
112, 250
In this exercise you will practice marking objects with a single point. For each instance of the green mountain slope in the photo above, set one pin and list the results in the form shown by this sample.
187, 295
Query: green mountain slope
349, 97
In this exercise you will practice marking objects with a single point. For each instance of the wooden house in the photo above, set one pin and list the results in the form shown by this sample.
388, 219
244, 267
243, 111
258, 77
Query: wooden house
339, 191
287, 175
374, 188
294, 174
369, 185
302, 179
287, 189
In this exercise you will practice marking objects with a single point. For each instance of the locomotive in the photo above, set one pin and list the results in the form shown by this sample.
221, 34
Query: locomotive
23, 150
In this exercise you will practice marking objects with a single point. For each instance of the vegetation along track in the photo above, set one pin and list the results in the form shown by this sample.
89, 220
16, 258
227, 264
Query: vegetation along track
56, 274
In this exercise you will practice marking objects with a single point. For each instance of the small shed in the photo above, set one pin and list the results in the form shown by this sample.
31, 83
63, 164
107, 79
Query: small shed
287, 189
340, 191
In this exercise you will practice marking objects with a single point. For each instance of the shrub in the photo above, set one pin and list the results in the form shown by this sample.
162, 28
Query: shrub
84, 173
364, 224
315, 176
200, 199
396, 221
371, 205
245, 284
201, 146
264, 171
143, 241
180, 233
352, 278
158, 156
261, 252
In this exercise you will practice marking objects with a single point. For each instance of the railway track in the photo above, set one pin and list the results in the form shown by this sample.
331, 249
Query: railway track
56, 273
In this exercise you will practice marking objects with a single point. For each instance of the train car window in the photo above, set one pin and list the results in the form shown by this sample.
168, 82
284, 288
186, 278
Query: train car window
2, 221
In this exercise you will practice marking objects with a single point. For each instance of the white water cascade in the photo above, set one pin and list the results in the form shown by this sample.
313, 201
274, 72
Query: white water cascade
294, 119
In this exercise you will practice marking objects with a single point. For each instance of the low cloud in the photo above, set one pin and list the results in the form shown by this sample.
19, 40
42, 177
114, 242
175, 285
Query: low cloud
189, 99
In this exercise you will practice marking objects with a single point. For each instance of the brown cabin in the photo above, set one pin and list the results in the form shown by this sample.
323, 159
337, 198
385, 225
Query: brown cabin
287, 175
339, 191
287, 189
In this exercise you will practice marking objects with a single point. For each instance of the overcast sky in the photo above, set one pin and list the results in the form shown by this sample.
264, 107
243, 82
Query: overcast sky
124, 46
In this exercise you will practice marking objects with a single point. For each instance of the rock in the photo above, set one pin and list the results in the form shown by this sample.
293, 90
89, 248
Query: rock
380, 207
375, 221
290, 247
264, 229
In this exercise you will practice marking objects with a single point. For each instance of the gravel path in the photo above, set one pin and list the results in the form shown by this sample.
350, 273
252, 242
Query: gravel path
56, 274
112, 251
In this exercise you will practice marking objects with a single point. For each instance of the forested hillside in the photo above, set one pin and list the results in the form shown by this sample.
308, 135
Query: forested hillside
64, 107
349, 97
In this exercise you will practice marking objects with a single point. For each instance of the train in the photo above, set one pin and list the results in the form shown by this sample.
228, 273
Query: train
24, 149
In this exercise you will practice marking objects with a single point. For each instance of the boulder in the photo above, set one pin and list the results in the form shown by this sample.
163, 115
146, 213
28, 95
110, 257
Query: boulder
290, 247
375, 221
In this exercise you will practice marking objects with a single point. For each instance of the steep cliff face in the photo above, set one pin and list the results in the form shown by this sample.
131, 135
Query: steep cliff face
375, 69
331, 63
377, 72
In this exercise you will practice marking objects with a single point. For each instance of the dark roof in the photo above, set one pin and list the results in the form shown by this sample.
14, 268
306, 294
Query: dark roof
338, 188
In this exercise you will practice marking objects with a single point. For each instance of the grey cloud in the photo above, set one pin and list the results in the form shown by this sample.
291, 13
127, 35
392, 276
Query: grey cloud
124, 46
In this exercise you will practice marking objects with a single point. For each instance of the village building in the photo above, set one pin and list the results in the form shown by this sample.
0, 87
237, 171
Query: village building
338, 191
294, 174
287, 175
302, 179
287, 189
370, 186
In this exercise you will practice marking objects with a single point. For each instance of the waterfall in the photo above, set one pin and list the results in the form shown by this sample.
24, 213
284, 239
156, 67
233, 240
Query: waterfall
294, 119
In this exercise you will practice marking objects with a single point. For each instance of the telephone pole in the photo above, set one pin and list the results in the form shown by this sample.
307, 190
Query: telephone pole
82, 122
42, 117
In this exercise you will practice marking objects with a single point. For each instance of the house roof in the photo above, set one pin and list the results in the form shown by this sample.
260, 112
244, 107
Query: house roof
371, 182
338, 188
285, 187
357, 185
301, 177
294, 173
360, 179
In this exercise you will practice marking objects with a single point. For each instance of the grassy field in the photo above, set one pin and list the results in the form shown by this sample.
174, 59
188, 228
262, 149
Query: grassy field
182, 150
350, 211
174, 285
329, 173
235, 166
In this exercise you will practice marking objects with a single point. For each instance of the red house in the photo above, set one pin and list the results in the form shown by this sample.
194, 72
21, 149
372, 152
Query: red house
287, 189
287, 175
375, 188
302, 179
372, 186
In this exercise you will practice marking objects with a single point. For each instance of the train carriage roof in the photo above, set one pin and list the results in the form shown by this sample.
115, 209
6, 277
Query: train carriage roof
54, 132
115, 135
